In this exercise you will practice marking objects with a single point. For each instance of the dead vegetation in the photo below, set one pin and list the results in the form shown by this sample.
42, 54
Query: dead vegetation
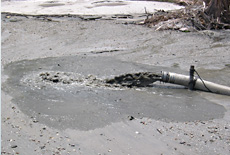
215, 14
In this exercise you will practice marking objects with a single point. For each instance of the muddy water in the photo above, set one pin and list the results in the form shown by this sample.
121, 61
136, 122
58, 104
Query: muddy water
84, 105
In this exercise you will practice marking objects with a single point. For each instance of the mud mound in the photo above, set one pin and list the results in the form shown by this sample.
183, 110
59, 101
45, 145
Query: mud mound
143, 79
58, 77
70, 78
130, 80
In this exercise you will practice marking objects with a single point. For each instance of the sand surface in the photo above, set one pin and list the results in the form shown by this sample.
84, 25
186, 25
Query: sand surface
85, 7
82, 117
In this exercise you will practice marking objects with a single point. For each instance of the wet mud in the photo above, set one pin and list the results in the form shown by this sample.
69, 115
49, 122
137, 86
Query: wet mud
142, 79
91, 92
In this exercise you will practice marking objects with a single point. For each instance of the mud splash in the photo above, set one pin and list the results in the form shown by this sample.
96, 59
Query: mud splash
58, 79
130, 80
91, 92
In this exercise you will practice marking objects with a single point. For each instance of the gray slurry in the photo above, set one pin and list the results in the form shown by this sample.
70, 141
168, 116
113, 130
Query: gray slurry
81, 101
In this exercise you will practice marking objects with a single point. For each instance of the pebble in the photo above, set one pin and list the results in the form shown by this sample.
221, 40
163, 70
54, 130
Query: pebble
182, 142
35, 121
42, 147
14, 146
184, 29
72, 145
131, 118
144, 123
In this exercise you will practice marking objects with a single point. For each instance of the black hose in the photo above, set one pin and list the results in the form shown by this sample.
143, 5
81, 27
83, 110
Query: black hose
202, 81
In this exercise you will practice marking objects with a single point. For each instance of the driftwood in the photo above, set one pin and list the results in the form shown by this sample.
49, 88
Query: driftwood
219, 10
193, 18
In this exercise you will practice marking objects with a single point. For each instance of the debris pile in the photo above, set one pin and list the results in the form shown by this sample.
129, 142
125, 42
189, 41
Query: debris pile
190, 18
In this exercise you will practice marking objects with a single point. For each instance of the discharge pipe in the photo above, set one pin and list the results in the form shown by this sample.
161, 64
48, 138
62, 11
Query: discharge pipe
192, 82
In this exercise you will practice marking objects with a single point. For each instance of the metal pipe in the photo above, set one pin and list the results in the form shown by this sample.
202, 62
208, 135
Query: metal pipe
198, 83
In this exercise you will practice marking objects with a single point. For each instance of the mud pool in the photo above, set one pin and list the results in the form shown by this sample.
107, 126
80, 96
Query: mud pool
74, 101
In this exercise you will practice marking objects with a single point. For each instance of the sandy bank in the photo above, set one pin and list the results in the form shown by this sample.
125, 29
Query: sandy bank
85, 7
